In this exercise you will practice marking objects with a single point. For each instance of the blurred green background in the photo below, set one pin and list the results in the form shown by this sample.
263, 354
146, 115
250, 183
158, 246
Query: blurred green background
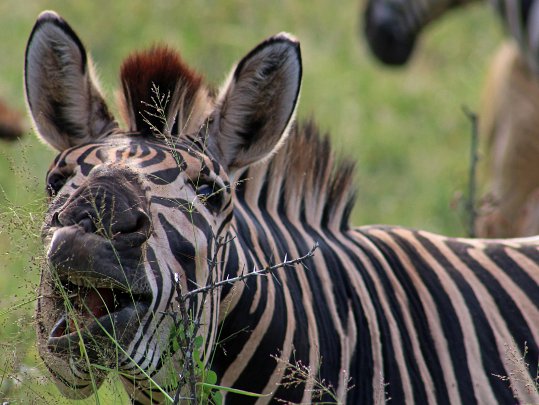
405, 127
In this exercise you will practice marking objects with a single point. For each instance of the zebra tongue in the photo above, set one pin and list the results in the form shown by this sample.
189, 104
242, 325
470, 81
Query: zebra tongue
89, 304
97, 302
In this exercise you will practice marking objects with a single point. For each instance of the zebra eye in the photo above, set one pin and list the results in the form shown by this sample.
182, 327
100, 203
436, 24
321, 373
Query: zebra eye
55, 183
210, 196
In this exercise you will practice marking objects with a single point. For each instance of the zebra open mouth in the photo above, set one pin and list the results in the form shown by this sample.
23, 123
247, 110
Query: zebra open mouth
97, 316
96, 291
88, 304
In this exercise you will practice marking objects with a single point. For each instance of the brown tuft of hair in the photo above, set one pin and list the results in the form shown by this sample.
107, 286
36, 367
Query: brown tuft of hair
158, 68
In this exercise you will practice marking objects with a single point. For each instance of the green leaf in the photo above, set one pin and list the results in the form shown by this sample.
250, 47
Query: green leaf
217, 397
197, 343
175, 345
211, 377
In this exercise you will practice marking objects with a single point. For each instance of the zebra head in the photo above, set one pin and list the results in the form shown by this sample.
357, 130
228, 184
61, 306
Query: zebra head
392, 26
134, 213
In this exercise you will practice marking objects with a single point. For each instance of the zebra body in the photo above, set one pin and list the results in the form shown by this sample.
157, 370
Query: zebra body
508, 123
213, 184
408, 308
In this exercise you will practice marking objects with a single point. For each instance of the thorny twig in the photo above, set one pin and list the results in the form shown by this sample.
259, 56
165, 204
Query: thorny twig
191, 325
190, 329
253, 273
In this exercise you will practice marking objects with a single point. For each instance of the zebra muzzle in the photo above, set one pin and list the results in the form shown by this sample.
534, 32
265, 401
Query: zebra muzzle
100, 292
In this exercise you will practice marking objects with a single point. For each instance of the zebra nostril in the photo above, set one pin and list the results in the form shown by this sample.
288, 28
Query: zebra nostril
112, 224
132, 229
67, 217
143, 220
108, 207
136, 221
55, 220
88, 224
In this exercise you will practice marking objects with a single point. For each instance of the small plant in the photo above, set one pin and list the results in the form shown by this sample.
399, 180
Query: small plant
20, 221
203, 377
297, 373
519, 379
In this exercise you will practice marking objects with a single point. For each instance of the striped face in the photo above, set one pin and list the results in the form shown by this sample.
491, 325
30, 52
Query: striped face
132, 222
392, 26
134, 215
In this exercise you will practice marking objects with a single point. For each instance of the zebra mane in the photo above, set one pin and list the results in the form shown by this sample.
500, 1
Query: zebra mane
304, 180
161, 94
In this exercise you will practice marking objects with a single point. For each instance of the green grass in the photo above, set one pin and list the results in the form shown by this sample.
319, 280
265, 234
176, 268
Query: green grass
405, 127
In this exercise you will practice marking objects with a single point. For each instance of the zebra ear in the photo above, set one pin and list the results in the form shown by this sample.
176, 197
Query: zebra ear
62, 95
257, 104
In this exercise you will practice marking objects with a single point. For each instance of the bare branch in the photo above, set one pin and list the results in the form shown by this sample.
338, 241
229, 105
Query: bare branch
188, 372
254, 273
470, 201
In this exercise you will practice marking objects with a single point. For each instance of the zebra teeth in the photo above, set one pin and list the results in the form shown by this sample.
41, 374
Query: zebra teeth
60, 327
96, 282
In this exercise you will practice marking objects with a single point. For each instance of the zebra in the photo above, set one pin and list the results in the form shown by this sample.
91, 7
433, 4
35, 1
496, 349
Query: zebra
508, 130
224, 181
508, 111
391, 27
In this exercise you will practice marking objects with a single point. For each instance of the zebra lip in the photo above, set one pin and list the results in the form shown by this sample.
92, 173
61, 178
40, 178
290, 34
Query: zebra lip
95, 315
97, 334
89, 260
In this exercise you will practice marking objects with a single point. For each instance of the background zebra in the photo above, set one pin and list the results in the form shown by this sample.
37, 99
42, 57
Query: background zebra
508, 123
134, 219
508, 118
393, 26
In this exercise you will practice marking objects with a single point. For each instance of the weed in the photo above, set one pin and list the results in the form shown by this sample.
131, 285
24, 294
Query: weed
297, 373
521, 379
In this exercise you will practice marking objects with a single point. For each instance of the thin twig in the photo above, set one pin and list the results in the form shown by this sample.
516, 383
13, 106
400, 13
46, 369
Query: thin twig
191, 328
255, 272
470, 201
188, 355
